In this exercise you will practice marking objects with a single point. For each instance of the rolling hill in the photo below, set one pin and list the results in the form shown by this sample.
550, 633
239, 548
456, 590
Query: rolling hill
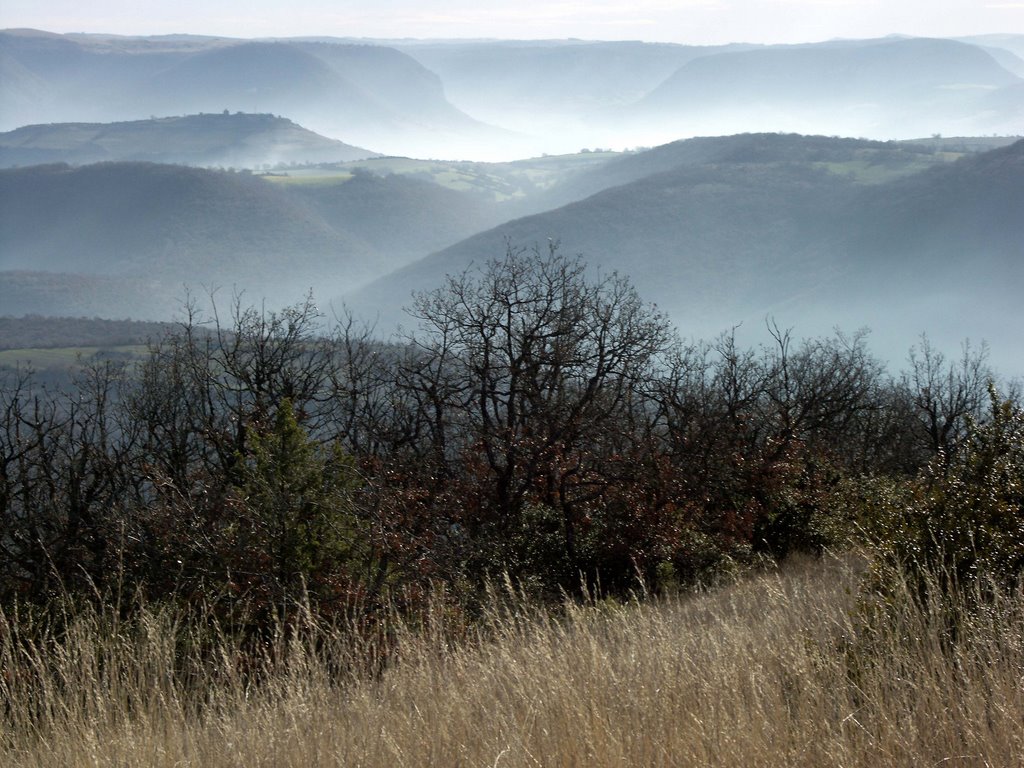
813, 230
147, 230
359, 93
865, 160
1003, 41
216, 139
783, 226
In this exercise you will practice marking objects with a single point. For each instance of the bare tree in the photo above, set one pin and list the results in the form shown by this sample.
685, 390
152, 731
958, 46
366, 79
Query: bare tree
66, 482
947, 392
530, 364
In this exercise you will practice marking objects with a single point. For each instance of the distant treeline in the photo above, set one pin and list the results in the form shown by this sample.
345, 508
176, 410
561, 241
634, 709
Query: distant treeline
539, 423
35, 332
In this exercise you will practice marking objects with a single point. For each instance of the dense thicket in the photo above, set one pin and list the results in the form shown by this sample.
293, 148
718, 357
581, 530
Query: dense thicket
538, 422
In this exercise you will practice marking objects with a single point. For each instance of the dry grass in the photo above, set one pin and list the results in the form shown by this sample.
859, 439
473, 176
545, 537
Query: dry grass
773, 671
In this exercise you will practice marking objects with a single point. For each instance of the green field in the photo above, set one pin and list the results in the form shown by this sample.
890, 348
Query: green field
501, 181
308, 177
872, 167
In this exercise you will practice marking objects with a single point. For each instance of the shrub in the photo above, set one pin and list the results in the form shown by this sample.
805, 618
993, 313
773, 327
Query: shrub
963, 520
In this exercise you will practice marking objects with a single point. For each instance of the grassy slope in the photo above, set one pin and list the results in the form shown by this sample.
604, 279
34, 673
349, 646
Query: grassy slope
758, 673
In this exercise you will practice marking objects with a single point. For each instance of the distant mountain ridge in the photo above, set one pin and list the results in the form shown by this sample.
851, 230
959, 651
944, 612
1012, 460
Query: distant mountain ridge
632, 93
511, 99
216, 139
497, 76
887, 89
358, 93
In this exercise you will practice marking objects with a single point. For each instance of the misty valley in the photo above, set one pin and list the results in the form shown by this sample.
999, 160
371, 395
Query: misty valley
276, 168
327, 363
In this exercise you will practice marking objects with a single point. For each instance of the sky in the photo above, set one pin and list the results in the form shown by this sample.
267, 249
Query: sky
699, 22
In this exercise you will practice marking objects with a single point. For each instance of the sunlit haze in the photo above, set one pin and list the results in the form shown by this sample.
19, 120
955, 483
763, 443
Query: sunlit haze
362, 128
681, 21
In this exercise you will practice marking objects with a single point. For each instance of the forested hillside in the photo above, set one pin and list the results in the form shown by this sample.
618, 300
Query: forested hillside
141, 233
46, 332
813, 231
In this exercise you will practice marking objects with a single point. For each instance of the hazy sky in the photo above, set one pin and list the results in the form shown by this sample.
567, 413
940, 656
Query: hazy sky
685, 21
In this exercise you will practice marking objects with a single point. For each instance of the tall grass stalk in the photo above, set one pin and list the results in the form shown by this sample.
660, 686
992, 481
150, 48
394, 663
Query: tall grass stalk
783, 669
